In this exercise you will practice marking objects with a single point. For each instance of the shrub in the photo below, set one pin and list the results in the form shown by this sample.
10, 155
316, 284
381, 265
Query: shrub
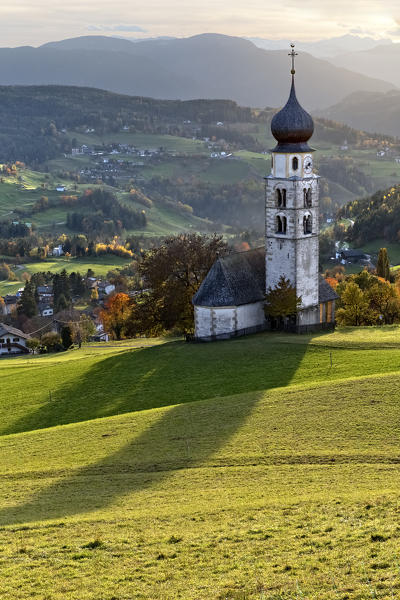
93, 545
174, 540
33, 344
52, 341
6, 273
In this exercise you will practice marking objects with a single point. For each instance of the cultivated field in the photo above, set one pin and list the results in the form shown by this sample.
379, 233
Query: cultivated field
260, 468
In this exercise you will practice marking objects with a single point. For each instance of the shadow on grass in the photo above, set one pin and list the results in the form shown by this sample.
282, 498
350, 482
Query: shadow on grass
185, 436
166, 375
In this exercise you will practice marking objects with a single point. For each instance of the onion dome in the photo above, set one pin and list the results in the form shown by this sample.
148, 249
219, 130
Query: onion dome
292, 126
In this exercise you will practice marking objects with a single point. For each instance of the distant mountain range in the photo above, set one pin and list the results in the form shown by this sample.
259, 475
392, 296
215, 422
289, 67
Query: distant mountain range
203, 66
329, 48
368, 111
381, 61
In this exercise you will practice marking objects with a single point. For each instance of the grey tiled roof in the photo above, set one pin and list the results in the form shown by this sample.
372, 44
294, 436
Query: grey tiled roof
4, 329
234, 280
239, 279
326, 292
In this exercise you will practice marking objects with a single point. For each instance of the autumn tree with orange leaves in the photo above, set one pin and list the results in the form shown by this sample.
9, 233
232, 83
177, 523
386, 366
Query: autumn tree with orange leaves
115, 314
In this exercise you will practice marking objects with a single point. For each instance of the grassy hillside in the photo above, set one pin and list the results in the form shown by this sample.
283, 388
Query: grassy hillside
257, 470
120, 129
101, 265
23, 191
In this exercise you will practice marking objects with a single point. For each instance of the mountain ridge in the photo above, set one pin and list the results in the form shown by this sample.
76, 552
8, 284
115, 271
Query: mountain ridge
204, 66
381, 59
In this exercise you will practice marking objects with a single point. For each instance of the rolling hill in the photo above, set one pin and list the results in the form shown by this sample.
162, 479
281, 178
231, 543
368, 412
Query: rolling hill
368, 111
203, 66
243, 469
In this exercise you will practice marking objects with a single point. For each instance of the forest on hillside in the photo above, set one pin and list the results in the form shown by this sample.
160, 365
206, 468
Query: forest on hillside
376, 216
37, 123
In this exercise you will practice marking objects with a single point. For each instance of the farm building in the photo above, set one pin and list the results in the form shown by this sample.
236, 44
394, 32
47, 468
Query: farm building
12, 341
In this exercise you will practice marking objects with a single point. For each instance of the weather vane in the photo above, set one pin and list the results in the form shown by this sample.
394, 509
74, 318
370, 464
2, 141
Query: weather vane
293, 54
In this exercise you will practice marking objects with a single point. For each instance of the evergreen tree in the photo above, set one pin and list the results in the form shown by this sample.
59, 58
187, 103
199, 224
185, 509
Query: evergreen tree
66, 337
282, 300
61, 287
76, 284
382, 267
27, 304
61, 303
65, 287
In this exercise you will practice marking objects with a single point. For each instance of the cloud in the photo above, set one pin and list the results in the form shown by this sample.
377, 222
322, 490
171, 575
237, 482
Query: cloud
38, 21
395, 32
126, 28
361, 31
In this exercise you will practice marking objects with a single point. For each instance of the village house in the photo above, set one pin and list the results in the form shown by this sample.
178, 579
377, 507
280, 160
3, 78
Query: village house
12, 341
105, 288
10, 304
45, 293
352, 256
100, 336
57, 251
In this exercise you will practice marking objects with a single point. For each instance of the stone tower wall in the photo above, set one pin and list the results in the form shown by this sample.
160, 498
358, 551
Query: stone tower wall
293, 254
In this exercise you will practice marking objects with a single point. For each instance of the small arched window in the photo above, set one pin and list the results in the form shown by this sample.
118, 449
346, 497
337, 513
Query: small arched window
307, 198
281, 224
272, 161
307, 224
280, 195
295, 163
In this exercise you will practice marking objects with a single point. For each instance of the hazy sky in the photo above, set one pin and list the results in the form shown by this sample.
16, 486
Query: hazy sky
32, 22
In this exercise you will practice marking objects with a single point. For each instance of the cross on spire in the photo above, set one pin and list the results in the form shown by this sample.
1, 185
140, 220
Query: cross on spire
293, 54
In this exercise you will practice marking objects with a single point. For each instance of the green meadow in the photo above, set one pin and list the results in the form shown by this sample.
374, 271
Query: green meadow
265, 467
101, 265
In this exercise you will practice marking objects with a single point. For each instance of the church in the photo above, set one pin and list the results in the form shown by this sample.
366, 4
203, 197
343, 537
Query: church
230, 301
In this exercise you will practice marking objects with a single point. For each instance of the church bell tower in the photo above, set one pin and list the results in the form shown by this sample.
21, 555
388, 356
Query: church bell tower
291, 213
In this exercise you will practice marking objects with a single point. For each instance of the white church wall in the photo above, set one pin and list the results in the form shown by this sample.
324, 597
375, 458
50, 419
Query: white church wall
202, 321
308, 317
250, 315
279, 169
227, 320
280, 260
307, 280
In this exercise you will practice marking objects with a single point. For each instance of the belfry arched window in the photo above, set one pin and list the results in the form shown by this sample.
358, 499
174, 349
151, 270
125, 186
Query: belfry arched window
280, 197
281, 224
295, 163
307, 224
307, 198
